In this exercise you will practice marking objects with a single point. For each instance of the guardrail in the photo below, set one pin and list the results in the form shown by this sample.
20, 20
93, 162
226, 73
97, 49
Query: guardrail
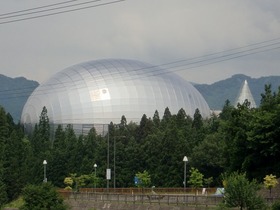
137, 190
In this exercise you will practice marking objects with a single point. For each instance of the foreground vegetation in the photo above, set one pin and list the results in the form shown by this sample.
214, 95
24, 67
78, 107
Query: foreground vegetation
239, 139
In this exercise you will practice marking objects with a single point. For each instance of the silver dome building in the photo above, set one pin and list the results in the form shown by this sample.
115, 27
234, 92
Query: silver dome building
101, 91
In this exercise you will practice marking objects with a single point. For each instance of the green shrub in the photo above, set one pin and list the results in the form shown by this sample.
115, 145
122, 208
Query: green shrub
42, 197
276, 205
241, 193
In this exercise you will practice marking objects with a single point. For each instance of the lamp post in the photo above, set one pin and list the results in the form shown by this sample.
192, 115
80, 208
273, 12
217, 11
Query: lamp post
95, 166
108, 170
45, 170
185, 160
114, 163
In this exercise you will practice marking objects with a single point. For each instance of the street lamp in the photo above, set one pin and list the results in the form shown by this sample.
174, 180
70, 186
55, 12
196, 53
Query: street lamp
95, 166
114, 163
45, 171
185, 160
108, 170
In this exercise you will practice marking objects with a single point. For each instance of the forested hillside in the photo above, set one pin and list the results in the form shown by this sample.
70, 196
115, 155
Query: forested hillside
217, 93
239, 139
14, 92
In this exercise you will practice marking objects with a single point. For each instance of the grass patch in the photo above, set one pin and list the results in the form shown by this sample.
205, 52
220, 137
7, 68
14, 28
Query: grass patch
16, 203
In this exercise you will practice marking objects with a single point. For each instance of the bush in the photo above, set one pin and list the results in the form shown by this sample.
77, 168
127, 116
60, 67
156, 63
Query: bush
276, 205
3, 194
42, 197
241, 193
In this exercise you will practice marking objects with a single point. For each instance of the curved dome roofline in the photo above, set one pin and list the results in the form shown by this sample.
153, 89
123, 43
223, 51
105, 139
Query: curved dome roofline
101, 91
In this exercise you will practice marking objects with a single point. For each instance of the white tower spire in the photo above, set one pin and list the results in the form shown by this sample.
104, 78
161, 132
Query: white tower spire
244, 94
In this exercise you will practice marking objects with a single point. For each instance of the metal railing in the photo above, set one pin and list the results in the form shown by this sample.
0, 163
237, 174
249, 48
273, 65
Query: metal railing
137, 190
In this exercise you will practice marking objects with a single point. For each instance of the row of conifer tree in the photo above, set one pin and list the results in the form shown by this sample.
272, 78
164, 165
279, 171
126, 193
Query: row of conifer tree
240, 139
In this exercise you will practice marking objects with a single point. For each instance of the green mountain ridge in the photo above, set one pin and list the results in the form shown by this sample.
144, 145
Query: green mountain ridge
14, 92
217, 93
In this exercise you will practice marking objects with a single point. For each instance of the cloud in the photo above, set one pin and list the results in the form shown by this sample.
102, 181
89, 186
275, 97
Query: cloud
157, 31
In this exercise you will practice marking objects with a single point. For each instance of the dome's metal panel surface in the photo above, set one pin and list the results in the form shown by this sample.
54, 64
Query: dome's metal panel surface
100, 92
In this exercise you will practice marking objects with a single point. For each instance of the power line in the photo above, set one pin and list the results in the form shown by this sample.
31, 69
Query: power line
262, 44
181, 65
51, 9
222, 56
197, 61
60, 12
35, 8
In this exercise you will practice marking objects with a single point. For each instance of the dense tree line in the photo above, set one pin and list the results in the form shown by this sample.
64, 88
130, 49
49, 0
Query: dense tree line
239, 139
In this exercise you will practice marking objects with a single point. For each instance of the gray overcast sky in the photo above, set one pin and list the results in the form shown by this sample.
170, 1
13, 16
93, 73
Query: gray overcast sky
153, 31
